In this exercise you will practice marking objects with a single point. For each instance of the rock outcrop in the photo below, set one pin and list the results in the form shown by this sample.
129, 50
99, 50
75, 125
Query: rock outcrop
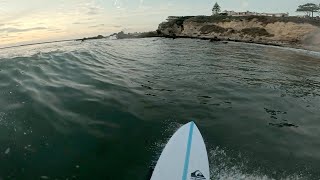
122, 35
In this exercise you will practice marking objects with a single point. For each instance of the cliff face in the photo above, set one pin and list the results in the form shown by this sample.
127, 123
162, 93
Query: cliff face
266, 30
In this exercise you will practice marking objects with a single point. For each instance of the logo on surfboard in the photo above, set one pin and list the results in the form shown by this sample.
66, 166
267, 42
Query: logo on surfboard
197, 175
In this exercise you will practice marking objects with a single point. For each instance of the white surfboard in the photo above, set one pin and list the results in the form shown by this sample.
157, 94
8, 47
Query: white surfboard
184, 157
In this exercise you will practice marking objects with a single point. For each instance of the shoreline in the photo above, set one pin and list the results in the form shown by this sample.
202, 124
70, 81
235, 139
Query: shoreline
211, 39
226, 40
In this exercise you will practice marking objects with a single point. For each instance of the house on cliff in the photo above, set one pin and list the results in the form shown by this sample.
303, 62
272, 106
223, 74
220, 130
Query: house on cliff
248, 13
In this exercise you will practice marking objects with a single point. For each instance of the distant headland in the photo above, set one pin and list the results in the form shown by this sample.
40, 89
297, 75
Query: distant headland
279, 31
123, 35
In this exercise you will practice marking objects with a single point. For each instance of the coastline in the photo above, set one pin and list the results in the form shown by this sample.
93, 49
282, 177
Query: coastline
227, 40
276, 44
289, 32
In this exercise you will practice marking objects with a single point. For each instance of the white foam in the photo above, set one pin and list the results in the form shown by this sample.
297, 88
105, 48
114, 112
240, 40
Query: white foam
7, 151
223, 169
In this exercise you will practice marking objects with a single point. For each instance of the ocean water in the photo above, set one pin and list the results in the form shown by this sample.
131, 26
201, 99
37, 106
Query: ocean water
104, 109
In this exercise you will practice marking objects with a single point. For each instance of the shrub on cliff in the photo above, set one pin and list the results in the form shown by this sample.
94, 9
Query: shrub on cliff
212, 28
263, 19
181, 20
170, 23
148, 34
256, 31
210, 19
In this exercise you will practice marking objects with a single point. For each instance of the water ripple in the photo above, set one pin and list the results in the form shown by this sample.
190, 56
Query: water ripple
108, 106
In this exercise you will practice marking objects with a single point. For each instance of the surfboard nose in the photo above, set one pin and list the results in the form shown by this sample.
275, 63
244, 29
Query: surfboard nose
192, 122
184, 157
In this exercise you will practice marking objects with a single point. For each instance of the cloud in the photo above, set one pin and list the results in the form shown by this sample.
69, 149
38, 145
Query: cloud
48, 19
81, 23
21, 30
99, 25
91, 8
94, 10
145, 12
55, 30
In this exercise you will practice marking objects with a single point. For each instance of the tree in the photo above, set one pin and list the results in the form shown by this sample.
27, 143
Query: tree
309, 9
216, 9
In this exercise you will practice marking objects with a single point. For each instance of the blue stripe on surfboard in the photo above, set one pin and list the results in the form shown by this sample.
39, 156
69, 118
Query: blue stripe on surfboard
187, 158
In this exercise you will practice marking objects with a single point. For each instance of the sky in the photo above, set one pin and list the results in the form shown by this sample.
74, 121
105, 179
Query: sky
30, 21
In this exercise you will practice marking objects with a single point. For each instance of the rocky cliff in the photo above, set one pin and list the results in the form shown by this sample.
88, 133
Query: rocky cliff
290, 31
